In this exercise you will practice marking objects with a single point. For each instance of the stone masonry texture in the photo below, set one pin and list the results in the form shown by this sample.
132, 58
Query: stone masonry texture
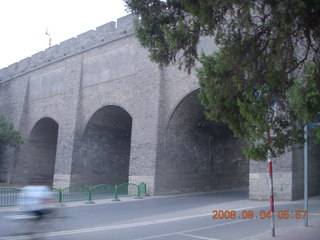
96, 110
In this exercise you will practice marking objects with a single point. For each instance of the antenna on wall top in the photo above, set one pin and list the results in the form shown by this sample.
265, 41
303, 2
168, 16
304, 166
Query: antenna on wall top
48, 34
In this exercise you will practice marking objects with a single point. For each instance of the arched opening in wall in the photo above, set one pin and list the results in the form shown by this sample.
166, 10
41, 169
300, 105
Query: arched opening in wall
198, 155
104, 149
41, 151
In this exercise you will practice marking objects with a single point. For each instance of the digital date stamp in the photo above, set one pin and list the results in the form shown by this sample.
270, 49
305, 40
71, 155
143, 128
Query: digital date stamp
262, 214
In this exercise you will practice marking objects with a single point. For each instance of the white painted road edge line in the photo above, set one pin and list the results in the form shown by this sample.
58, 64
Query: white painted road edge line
113, 227
197, 237
191, 230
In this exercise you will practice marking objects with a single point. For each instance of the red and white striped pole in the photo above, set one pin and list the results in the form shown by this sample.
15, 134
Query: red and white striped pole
271, 186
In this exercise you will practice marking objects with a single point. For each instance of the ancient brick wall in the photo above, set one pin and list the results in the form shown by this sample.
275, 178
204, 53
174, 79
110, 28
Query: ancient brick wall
108, 114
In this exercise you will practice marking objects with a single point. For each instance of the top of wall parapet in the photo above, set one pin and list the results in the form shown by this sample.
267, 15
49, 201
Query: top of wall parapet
106, 33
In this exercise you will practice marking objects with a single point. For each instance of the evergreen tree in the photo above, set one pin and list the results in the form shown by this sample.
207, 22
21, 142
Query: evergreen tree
265, 75
8, 135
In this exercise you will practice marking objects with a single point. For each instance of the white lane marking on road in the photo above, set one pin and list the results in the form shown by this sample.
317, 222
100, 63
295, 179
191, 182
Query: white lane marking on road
191, 230
197, 237
113, 227
155, 236
218, 225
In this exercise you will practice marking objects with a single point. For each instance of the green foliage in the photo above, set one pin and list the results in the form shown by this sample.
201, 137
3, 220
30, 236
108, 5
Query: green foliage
248, 106
305, 95
265, 75
8, 135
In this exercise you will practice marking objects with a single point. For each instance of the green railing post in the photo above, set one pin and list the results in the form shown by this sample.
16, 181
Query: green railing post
116, 199
138, 197
90, 189
60, 195
144, 189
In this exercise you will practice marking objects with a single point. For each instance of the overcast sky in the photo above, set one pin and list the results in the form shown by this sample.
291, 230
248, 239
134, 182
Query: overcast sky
23, 23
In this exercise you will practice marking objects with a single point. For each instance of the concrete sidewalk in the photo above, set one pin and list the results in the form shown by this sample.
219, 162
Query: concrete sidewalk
296, 232
299, 231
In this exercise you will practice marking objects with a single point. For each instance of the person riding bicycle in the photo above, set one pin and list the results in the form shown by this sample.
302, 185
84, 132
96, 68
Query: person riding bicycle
36, 200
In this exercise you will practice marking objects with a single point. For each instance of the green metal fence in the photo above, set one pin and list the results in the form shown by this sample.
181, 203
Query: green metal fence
10, 196
102, 191
75, 193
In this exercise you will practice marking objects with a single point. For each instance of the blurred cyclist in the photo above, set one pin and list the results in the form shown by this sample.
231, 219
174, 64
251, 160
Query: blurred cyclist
36, 201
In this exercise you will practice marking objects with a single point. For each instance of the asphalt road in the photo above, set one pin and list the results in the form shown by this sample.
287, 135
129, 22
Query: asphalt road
180, 217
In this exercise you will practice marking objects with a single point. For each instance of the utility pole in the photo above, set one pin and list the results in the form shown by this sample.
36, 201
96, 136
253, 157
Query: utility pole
271, 186
306, 174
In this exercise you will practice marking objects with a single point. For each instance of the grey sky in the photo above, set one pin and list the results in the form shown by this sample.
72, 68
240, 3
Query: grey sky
23, 23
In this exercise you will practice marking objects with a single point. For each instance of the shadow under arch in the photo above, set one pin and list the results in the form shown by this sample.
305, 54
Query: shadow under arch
103, 152
41, 147
198, 155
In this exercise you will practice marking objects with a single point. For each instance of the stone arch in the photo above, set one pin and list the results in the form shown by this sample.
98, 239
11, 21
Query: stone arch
174, 106
198, 155
104, 149
41, 155
95, 107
